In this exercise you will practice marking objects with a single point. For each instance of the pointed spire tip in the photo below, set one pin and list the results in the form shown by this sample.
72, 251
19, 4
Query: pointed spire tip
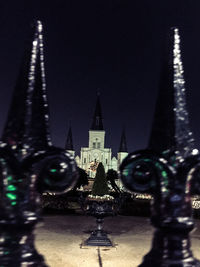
171, 127
39, 25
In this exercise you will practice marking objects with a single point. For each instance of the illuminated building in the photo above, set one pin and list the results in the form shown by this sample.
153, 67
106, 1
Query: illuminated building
96, 152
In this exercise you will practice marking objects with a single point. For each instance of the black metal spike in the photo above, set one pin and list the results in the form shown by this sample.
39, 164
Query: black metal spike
171, 131
168, 171
27, 127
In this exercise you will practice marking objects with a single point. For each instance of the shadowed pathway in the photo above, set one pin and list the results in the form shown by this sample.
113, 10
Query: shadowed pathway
60, 239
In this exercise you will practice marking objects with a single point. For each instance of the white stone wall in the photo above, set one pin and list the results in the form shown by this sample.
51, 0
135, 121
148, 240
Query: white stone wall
77, 159
114, 163
96, 139
96, 152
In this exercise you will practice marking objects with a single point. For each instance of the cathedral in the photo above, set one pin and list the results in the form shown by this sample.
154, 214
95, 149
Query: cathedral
96, 151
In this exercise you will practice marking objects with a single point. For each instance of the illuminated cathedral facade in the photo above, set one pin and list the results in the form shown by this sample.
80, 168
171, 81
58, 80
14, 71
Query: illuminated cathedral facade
96, 151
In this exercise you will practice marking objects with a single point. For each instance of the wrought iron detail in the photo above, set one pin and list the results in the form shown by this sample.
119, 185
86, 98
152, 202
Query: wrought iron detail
29, 164
169, 170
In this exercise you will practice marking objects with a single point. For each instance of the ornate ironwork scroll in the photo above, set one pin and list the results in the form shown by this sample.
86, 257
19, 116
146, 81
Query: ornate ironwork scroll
169, 169
29, 163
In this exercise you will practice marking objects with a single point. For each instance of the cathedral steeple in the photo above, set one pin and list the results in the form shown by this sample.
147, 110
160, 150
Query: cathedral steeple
97, 122
123, 146
122, 153
69, 141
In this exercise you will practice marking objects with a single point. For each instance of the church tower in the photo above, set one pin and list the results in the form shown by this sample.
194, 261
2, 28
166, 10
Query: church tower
96, 132
123, 152
69, 142
96, 151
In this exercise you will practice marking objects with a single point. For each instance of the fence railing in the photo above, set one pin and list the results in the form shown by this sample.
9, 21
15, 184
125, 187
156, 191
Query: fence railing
168, 169
29, 163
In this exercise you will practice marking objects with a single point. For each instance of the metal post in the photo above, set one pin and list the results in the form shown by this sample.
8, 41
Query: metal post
168, 169
29, 164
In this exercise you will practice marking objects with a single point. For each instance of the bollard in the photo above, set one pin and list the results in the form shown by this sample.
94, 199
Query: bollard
29, 163
168, 169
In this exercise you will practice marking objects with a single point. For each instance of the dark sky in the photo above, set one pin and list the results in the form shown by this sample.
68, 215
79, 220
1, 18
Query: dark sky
112, 45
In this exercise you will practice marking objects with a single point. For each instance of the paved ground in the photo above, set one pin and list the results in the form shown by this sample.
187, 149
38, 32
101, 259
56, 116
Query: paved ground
60, 239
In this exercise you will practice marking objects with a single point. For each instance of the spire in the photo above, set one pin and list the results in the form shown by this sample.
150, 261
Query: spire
69, 142
27, 124
123, 146
171, 130
97, 122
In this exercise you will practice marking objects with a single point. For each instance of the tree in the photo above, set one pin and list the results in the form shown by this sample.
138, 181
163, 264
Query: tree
100, 186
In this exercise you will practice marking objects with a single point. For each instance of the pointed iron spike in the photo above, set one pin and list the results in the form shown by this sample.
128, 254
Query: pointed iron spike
39, 26
39, 135
17, 117
171, 131
18, 131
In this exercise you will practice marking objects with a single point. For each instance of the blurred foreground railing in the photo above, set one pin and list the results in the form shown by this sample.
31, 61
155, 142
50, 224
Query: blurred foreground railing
29, 163
169, 169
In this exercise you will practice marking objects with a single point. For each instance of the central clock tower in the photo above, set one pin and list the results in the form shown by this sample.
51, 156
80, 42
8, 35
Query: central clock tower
96, 151
96, 136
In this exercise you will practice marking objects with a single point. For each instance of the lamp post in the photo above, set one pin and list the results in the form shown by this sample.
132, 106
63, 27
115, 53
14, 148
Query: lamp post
29, 163
168, 169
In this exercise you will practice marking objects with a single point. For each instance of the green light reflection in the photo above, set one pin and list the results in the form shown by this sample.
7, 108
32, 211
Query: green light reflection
164, 174
11, 188
10, 178
139, 173
11, 196
53, 170
147, 160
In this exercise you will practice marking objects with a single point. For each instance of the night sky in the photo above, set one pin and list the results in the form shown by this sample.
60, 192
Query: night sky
112, 45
